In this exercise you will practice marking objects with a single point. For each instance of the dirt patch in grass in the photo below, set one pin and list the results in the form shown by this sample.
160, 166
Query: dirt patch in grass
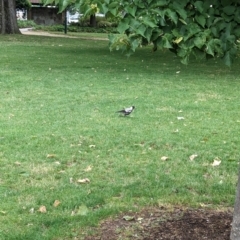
177, 224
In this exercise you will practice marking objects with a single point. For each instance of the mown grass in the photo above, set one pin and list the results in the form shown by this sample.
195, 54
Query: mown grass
58, 103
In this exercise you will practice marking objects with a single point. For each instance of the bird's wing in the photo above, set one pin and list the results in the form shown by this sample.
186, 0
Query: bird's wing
128, 110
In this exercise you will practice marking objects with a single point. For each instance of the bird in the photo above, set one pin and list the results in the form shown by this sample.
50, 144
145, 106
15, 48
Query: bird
126, 111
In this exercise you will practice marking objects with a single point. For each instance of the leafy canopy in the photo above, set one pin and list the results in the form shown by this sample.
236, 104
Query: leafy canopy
23, 4
209, 28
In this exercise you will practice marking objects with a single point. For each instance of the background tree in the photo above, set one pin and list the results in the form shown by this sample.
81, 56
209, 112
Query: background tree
23, 4
8, 19
235, 232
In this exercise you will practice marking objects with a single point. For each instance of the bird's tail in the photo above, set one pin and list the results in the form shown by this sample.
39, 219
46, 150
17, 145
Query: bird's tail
121, 111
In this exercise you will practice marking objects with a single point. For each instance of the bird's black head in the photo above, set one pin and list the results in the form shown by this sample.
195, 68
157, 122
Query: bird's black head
133, 107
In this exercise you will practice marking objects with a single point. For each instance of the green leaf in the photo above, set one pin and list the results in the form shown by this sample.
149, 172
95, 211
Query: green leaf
63, 4
179, 8
199, 42
227, 59
148, 34
141, 30
192, 29
214, 31
237, 32
166, 43
122, 27
149, 23
135, 44
201, 20
46, 2
185, 60
134, 23
113, 5
172, 15
161, 3
210, 48
104, 8
131, 10
159, 12
199, 6
113, 8
237, 16
229, 10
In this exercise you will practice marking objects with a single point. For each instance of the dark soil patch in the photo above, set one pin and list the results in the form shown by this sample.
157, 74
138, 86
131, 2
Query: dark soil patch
177, 224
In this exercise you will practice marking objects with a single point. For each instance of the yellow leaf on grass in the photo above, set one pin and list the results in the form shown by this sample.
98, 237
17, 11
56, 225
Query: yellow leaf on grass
129, 218
216, 162
164, 158
192, 157
180, 118
84, 180
51, 155
42, 209
56, 203
88, 168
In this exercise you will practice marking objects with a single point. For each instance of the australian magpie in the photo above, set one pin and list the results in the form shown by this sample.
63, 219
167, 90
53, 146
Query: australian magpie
126, 111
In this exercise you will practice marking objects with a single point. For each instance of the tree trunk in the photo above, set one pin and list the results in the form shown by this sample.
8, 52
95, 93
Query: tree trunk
235, 232
93, 21
8, 19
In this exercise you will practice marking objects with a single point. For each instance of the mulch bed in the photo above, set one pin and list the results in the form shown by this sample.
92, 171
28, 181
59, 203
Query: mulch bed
162, 223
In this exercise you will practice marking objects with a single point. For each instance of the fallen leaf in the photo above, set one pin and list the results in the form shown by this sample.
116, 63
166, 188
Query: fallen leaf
216, 162
128, 218
3, 212
180, 118
164, 158
42, 209
17, 163
192, 157
88, 168
56, 203
31, 210
204, 205
89, 192
92, 146
51, 155
71, 180
84, 180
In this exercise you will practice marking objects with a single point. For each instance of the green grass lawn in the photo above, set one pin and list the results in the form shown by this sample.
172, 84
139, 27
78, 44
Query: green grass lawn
58, 125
